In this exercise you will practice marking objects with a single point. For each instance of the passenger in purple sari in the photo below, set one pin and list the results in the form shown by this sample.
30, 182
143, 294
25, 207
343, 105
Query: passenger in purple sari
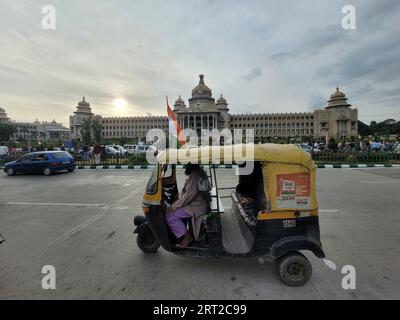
190, 204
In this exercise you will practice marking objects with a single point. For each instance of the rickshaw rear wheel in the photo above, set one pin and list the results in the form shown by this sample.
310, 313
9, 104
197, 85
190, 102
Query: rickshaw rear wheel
147, 242
294, 269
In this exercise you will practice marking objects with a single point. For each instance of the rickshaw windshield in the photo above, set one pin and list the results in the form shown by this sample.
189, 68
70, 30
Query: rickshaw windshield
151, 187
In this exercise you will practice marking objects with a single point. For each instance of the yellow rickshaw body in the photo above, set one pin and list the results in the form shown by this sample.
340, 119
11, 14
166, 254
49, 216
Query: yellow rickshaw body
281, 164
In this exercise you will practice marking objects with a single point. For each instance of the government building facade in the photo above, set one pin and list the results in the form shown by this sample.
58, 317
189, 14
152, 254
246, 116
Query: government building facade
39, 131
336, 119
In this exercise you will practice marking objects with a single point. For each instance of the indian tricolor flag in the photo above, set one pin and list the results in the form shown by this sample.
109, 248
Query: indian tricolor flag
176, 137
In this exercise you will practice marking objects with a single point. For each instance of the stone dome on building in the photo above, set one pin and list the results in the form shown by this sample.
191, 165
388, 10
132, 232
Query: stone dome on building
221, 103
179, 104
83, 103
83, 107
338, 99
201, 97
221, 100
3, 115
201, 89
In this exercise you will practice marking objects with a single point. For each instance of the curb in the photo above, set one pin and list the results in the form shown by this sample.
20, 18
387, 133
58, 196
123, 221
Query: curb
319, 166
356, 165
137, 167
116, 167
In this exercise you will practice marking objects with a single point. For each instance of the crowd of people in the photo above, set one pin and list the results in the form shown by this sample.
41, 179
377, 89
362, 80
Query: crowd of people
360, 146
92, 151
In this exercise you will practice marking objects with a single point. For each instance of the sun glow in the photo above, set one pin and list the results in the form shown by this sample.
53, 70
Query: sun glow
119, 104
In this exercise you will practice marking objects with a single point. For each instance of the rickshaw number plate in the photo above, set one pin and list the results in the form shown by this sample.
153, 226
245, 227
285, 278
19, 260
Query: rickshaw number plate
289, 223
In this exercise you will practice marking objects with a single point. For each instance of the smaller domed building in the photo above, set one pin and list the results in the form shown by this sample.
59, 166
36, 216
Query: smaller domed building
337, 119
39, 131
83, 112
3, 116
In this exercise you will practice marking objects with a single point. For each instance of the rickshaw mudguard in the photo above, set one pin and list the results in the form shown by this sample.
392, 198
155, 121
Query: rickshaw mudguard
156, 222
141, 224
297, 243
139, 220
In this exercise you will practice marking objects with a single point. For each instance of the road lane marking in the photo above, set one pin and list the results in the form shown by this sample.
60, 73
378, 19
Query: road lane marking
329, 211
65, 236
55, 204
379, 181
330, 264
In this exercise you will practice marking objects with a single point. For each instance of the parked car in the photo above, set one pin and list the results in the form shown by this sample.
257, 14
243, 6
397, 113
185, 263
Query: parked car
305, 147
396, 147
4, 151
121, 149
46, 162
130, 148
141, 149
110, 150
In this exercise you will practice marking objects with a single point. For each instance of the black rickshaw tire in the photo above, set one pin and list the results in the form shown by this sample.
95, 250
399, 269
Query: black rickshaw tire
147, 242
294, 269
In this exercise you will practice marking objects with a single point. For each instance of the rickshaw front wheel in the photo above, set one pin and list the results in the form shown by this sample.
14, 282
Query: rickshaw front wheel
147, 242
294, 269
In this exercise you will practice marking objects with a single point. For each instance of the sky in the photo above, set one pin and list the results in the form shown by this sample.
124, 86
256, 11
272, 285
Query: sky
263, 56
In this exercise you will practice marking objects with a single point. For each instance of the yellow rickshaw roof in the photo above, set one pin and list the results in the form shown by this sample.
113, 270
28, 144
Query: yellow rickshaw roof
268, 152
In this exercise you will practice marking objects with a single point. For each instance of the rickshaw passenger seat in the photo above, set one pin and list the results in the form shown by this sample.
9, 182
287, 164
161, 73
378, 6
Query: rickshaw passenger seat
246, 207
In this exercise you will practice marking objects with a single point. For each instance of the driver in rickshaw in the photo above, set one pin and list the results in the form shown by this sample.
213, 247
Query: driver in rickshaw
191, 204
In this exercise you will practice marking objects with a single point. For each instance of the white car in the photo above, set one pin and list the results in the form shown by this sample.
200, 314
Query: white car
118, 148
130, 149
111, 151
121, 149
305, 147
141, 149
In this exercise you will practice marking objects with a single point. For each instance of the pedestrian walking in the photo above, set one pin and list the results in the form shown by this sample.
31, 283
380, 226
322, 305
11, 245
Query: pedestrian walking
85, 150
98, 150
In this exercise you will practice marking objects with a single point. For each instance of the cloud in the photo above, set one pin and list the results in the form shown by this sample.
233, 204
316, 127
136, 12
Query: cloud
253, 74
317, 102
142, 51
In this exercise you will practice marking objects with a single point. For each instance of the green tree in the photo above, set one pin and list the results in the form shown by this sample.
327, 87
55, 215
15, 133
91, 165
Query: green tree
332, 144
6, 131
86, 131
123, 141
363, 129
97, 128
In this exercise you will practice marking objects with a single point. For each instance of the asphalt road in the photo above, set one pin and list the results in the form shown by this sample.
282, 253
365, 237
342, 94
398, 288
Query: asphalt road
81, 223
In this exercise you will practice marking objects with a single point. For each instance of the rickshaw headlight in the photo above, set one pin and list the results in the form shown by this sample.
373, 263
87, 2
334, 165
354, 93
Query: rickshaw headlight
146, 209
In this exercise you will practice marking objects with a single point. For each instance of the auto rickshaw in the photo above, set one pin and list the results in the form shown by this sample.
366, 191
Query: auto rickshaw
273, 212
